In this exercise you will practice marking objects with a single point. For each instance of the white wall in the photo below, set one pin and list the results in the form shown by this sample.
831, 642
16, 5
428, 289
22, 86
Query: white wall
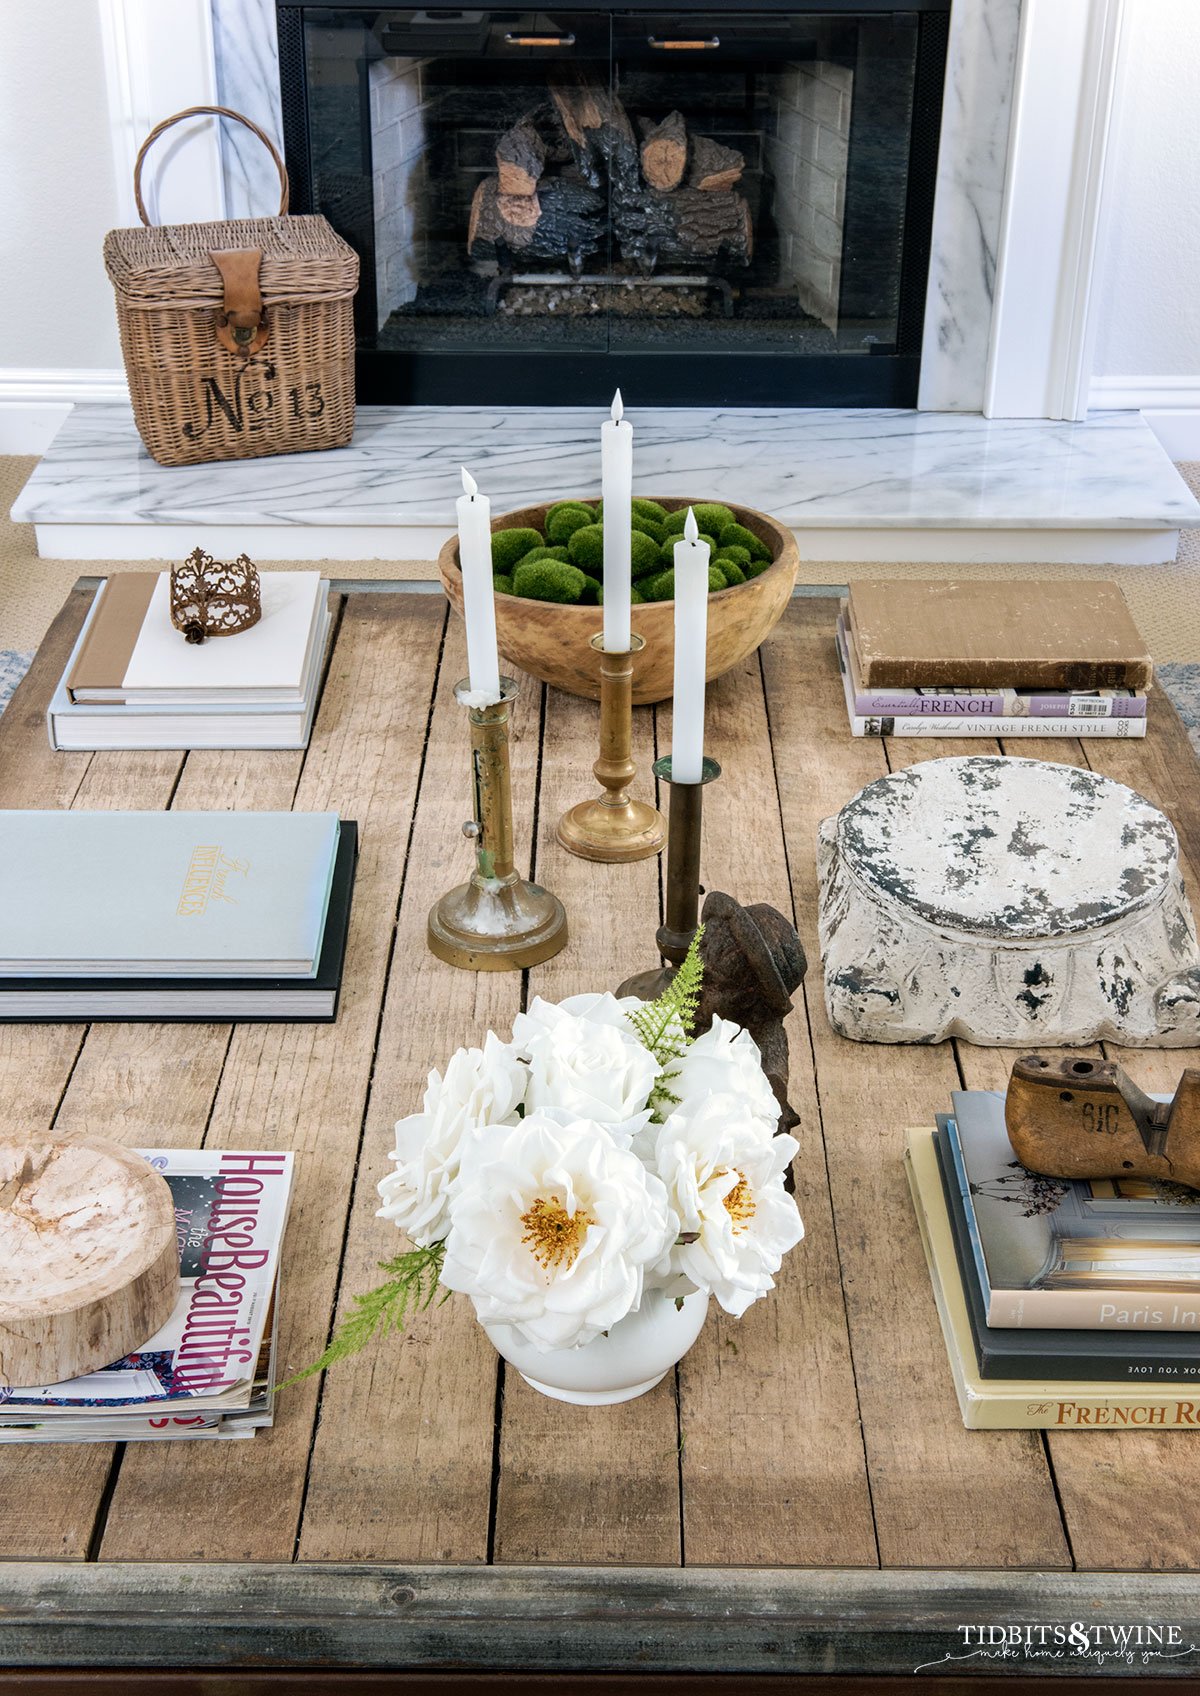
57, 188
1146, 295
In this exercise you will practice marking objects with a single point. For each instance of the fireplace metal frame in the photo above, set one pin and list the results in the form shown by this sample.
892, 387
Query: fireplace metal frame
738, 378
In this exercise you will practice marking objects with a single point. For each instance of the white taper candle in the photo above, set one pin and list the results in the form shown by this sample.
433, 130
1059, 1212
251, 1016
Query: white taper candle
691, 647
616, 469
479, 596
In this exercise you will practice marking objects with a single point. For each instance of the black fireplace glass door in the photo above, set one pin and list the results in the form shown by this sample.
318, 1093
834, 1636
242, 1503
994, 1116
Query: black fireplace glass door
708, 206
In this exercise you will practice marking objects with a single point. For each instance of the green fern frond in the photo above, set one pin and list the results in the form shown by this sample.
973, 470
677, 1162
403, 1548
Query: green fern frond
411, 1286
665, 1026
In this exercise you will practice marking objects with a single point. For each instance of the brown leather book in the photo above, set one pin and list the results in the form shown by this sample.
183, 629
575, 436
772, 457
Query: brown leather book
108, 646
1002, 634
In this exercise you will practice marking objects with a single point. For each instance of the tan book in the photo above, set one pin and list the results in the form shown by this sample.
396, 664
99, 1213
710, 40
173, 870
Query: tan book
996, 635
107, 648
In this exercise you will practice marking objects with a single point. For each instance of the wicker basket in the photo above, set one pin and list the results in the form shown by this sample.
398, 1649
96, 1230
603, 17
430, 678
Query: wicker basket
238, 337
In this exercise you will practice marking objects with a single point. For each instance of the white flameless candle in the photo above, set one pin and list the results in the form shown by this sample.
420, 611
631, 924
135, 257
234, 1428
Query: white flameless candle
479, 595
691, 650
616, 467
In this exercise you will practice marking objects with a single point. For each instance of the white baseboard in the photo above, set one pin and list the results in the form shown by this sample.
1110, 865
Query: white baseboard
34, 402
1170, 405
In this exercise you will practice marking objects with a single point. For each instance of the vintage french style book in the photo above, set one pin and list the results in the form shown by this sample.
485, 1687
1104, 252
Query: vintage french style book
938, 725
1103, 1254
1028, 1352
996, 635
164, 895
1015, 1404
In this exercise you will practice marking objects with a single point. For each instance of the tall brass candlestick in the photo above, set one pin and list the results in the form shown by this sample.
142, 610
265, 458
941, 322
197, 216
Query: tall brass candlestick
674, 936
497, 921
614, 827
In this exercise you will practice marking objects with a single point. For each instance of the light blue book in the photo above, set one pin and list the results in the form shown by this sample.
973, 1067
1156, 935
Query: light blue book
117, 895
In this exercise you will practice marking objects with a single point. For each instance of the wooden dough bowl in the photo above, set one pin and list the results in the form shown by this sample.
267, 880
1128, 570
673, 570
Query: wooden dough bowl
89, 1264
551, 642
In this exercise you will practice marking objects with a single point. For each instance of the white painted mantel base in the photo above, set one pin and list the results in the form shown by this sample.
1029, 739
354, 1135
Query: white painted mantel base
855, 485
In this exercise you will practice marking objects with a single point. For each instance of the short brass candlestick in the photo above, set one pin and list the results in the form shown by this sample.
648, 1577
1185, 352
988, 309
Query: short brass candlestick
496, 922
675, 935
614, 827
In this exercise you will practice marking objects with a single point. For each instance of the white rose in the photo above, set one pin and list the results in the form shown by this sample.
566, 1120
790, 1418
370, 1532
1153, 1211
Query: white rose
585, 1067
551, 1228
725, 1061
724, 1182
482, 1087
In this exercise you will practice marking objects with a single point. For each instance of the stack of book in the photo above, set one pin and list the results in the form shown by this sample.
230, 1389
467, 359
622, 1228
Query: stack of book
992, 659
115, 915
134, 681
1064, 1305
210, 1371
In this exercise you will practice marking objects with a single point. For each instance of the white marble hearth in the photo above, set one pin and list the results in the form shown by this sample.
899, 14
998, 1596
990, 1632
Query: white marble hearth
854, 485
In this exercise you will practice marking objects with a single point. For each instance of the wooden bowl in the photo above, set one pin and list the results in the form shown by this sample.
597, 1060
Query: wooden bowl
551, 641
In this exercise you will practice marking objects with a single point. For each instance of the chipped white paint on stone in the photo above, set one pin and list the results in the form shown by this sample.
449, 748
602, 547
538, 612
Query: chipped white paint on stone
1011, 902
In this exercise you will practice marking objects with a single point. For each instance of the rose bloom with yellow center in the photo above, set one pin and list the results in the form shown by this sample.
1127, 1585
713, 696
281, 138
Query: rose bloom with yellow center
553, 1224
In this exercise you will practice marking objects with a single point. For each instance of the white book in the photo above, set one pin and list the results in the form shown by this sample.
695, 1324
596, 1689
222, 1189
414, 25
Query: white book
116, 894
270, 661
225, 723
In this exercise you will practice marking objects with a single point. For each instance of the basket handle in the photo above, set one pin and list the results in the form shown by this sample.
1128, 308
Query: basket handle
200, 112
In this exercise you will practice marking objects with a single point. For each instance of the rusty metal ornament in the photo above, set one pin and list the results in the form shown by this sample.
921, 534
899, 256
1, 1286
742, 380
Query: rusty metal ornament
1087, 1119
212, 597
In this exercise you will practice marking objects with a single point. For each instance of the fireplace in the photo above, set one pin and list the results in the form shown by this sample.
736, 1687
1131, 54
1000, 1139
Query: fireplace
704, 206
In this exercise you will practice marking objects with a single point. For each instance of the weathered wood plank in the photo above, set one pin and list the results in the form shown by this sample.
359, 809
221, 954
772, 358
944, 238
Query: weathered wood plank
941, 1495
578, 1483
774, 1471
402, 1464
303, 1087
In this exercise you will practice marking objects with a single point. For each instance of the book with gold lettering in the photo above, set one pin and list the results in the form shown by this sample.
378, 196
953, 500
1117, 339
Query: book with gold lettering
1015, 1404
163, 895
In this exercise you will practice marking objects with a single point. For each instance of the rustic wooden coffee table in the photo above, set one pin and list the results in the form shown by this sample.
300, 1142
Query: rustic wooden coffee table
803, 1500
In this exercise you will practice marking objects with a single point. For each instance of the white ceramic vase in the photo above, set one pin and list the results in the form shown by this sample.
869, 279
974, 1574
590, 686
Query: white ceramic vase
626, 1362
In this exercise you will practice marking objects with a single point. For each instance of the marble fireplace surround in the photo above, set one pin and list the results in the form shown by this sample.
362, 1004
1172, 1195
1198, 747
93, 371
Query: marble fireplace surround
999, 462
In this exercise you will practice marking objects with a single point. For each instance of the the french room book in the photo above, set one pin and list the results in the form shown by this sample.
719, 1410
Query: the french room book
1104, 1254
1012, 1404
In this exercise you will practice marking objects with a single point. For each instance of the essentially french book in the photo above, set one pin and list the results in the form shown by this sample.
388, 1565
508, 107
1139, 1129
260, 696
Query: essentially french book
986, 724
231, 1208
132, 653
1101, 1254
1026, 1352
1023, 1404
205, 712
983, 703
275, 1000
996, 635
125, 894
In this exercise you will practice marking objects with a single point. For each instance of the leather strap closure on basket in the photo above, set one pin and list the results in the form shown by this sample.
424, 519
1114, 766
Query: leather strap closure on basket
242, 322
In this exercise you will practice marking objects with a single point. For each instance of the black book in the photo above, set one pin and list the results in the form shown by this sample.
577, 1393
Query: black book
257, 1000
1075, 1356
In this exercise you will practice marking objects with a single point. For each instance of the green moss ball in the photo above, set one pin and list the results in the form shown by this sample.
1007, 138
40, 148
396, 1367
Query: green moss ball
674, 522
711, 541
647, 527
547, 553
643, 553
501, 584
711, 515
666, 552
737, 535
562, 524
649, 509
742, 555
509, 546
716, 579
660, 587
730, 570
592, 591
756, 568
587, 548
549, 580
560, 506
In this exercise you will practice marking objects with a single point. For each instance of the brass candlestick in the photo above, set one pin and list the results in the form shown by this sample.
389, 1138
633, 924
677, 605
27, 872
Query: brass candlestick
675, 935
496, 922
614, 827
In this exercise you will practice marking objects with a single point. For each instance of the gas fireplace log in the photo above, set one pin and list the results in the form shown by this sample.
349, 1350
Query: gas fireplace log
520, 158
714, 166
563, 220
691, 224
665, 152
599, 133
